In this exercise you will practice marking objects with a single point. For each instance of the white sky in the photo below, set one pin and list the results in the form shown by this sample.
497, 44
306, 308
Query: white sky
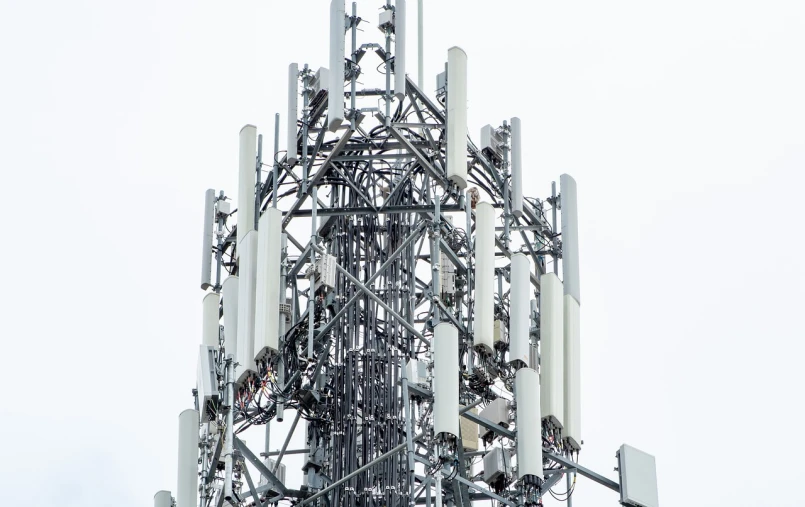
683, 123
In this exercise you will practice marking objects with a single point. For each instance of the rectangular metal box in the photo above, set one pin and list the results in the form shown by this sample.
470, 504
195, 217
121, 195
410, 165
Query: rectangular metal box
497, 464
496, 411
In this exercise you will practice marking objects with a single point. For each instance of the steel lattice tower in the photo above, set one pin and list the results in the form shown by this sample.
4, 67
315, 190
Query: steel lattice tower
386, 280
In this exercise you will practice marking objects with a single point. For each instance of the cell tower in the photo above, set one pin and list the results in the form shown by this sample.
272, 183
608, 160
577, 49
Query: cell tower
388, 283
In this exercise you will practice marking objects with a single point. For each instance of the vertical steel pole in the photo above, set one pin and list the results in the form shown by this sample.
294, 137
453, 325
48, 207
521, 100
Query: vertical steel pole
230, 423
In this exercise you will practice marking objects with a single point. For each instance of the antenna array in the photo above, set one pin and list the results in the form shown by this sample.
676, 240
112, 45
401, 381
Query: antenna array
388, 283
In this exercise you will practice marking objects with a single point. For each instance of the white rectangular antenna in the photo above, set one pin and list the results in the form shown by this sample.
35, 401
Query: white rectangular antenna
572, 422
457, 116
638, 477
247, 271
267, 302
483, 327
247, 179
551, 346
207, 383
229, 290
445, 379
293, 114
570, 236
206, 251
210, 327
163, 499
529, 434
516, 169
399, 49
335, 98
187, 474
519, 309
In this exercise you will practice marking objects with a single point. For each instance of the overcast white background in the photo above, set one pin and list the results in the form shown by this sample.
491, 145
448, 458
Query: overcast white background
683, 123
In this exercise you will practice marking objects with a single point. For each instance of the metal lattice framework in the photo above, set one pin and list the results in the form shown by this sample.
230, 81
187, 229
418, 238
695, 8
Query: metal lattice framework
378, 248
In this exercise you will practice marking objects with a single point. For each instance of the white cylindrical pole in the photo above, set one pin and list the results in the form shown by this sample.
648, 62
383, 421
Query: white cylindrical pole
420, 47
247, 270
293, 114
551, 345
529, 432
335, 93
187, 474
519, 311
206, 253
516, 169
399, 48
445, 379
484, 276
457, 116
267, 309
247, 179
572, 422
210, 324
230, 291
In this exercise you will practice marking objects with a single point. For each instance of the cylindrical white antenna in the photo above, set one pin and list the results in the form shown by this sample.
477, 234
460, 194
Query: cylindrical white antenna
335, 93
163, 499
457, 116
293, 114
209, 320
572, 422
519, 312
420, 47
551, 345
206, 251
399, 49
230, 290
247, 179
187, 474
516, 169
445, 379
484, 276
570, 236
529, 434
247, 271
267, 309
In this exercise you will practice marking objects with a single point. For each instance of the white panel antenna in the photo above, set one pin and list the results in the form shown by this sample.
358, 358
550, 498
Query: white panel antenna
519, 309
399, 49
207, 383
247, 270
516, 167
551, 344
210, 326
187, 473
267, 302
572, 430
247, 179
335, 101
230, 290
484, 276
457, 116
206, 252
529, 435
163, 499
445, 379
570, 236
638, 477
293, 114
